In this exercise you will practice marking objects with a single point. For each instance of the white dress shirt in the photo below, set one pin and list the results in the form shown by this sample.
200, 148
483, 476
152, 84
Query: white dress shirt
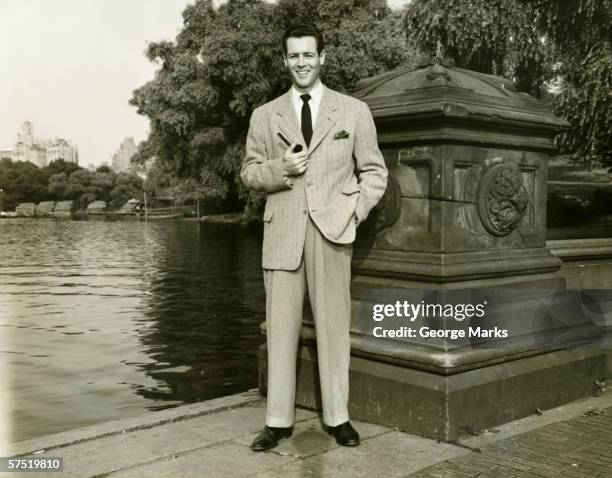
315, 101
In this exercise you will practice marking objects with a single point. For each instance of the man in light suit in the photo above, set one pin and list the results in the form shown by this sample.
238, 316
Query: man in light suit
314, 152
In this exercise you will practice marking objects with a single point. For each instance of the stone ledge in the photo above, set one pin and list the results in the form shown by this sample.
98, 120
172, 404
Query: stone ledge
581, 249
116, 427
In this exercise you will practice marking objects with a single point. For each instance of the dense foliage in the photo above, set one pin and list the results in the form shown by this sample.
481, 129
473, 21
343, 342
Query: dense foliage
22, 181
563, 43
581, 32
84, 186
227, 61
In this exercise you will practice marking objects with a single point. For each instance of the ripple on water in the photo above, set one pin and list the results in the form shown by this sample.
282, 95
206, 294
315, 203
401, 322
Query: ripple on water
109, 319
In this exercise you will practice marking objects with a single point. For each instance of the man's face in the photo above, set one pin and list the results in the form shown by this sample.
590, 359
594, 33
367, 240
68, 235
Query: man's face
304, 62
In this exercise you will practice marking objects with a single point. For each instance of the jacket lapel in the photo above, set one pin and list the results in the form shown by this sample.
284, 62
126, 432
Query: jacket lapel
326, 118
289, 126
287, 122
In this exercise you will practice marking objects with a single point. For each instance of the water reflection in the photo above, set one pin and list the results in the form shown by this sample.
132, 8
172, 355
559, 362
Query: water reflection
210, 287
103, 320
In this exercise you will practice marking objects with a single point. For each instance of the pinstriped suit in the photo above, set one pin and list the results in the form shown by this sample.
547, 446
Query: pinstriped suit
309, 228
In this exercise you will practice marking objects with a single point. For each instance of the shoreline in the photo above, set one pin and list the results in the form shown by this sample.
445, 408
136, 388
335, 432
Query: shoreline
237, 218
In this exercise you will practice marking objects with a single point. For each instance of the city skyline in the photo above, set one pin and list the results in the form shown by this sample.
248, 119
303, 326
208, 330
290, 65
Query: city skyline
73, 66
39, 150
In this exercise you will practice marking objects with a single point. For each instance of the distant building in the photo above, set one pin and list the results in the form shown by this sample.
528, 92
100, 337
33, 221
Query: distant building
59, 148
38, 155
6, 153
29, 148
121, 159
39, 151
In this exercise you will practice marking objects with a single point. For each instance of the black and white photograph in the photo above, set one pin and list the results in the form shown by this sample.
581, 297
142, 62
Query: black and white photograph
306, 238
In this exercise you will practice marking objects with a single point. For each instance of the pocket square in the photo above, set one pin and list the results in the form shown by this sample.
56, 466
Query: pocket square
341, 135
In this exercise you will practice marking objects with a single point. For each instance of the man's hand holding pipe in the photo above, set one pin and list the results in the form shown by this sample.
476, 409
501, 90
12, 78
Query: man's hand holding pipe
295, 164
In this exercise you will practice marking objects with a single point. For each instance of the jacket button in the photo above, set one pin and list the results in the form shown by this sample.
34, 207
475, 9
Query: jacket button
305, 212
309, 184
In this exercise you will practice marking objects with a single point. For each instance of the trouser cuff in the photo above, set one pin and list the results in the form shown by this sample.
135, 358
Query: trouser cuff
337, 420
277, 422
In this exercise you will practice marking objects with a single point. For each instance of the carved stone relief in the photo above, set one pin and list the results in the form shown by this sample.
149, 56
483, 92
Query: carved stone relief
502, 198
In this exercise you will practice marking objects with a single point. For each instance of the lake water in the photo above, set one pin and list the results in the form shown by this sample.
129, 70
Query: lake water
102, 320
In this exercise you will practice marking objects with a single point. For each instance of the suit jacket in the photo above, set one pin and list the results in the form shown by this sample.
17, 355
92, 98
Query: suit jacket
346, 175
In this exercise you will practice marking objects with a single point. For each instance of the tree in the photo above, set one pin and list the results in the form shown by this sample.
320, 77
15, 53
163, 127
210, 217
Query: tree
199, 101
104, 169
533, 42
80, 188
20, 181
127, 186
499, 37
227, 61
60, 166
580, 32
58, 183
104, 182
187, 189
158, 176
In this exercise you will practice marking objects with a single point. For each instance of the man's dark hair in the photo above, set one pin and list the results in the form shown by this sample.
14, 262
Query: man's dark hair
299, 30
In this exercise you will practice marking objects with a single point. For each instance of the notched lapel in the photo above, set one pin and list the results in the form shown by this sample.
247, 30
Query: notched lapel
287, 122
326, 119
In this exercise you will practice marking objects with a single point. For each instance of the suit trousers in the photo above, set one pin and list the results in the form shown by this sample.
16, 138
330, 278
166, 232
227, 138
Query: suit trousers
325, 272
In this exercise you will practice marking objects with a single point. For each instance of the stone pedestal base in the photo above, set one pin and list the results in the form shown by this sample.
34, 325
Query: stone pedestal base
446, 407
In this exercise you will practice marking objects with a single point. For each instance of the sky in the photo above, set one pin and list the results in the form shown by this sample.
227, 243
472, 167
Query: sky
70, 66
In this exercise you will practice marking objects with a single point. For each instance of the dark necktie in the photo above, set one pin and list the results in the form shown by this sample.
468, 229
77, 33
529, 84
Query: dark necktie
306, 119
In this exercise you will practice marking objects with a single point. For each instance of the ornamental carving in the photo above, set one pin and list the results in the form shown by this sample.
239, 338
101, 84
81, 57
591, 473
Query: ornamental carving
502, 199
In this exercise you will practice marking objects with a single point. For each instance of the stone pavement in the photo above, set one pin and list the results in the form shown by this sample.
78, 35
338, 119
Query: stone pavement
580, 447
211, 439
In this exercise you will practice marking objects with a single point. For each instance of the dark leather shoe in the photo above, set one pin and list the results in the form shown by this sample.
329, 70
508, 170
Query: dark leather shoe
269, 437
345, 434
